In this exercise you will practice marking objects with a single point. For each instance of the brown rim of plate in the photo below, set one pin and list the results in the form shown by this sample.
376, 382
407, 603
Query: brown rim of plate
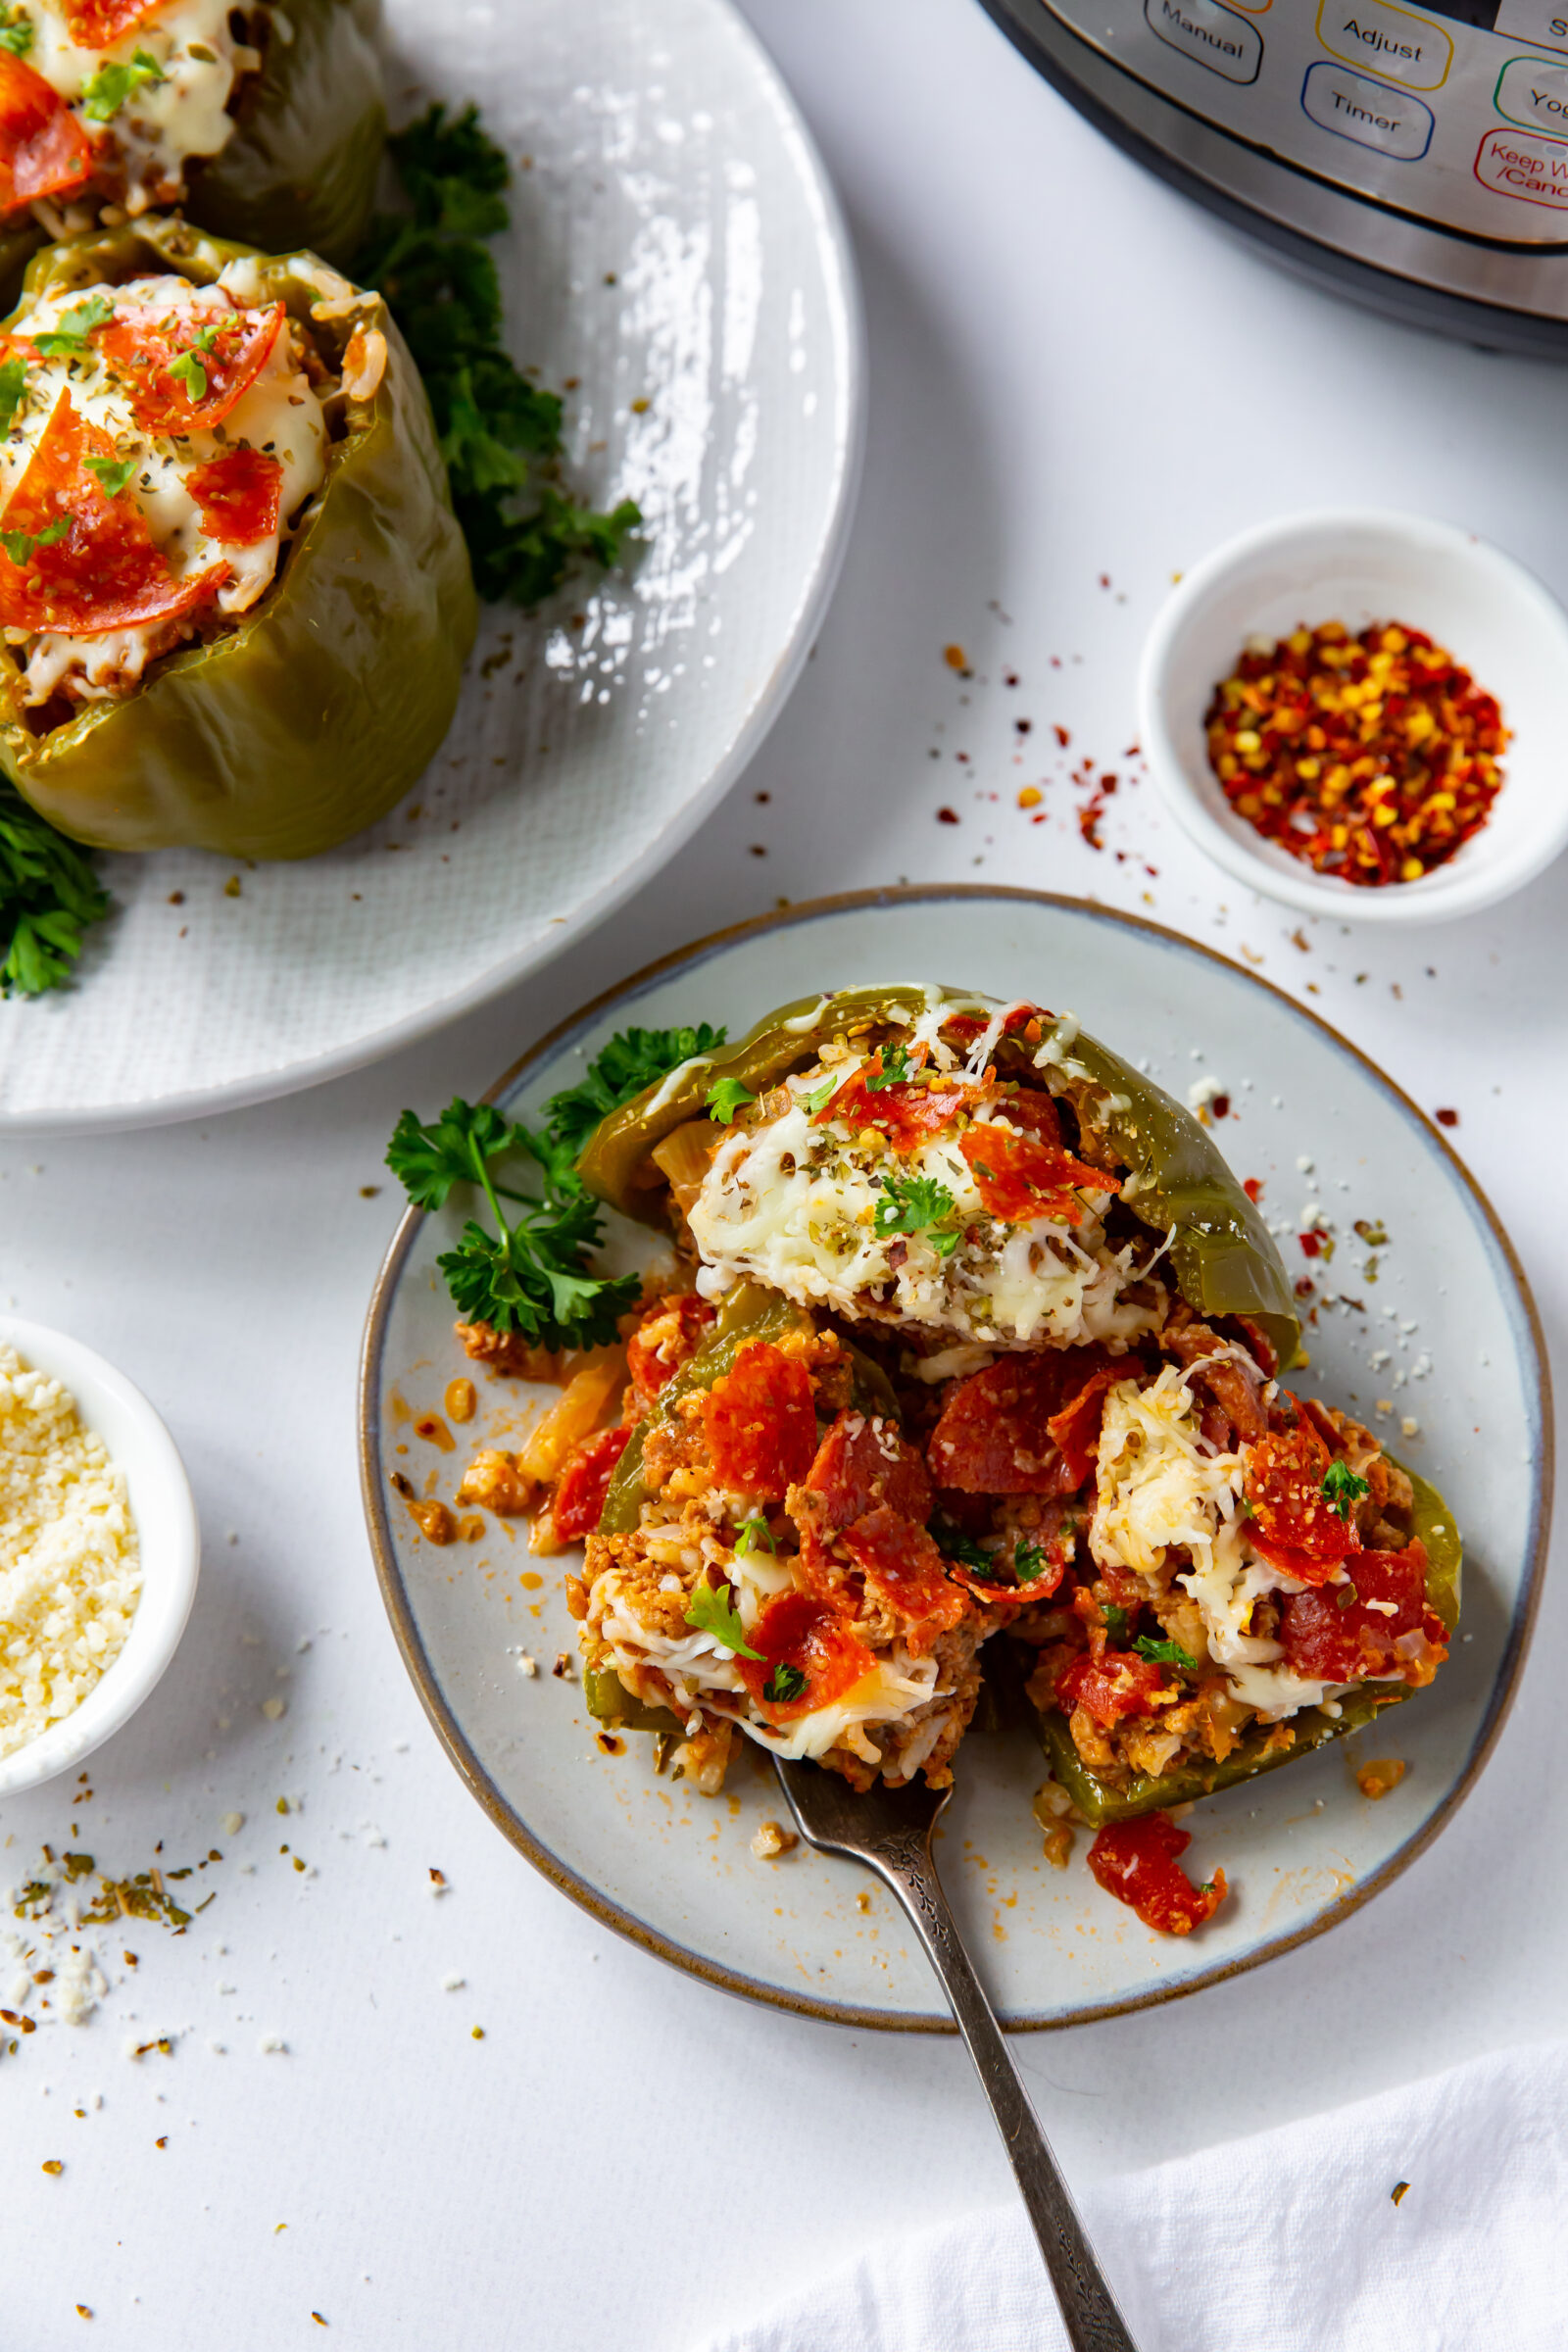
609, 1914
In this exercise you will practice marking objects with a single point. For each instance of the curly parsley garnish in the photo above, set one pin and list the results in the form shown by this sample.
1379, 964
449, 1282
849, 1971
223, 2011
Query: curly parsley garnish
782, 1685
112, 472
1164, 1653
633, 1060
967, 1552
753, 1534
916, 1205
1115, 1621
500, 435
1341, 1490
530, 1276
726, 1097
110, 86
712, 1611
17, 31
49, 896
1028, 1562
70, 331
21, 546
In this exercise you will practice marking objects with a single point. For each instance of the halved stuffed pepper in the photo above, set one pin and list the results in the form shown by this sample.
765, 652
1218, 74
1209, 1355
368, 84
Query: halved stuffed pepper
265, 123
233, 598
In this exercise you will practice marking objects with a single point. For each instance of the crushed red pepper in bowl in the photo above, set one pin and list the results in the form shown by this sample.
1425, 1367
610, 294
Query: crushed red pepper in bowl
1371, 758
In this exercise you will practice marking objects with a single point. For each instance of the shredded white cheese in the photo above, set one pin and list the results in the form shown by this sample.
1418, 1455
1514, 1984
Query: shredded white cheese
160, 125
69, 1561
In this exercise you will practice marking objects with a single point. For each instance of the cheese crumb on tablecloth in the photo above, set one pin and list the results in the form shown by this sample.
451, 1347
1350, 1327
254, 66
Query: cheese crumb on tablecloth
69, 1561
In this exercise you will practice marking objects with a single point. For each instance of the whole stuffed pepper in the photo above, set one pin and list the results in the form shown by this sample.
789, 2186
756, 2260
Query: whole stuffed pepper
233, 599
263, 123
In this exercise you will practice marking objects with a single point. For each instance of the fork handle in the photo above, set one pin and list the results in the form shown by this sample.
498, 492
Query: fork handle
1088, 2308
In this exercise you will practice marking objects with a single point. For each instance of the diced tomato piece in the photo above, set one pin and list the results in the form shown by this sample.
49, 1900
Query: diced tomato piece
43, 149
993, 1436
239, 495
1020, 1178
862, 1462
761, 1423
1334, 1644
1136, 1862
902, 1566
584, 1482
146, 344
1284, 1473
1118, 1683
104, 572
95, 23
798, 1630
1075, 1430
669, 1335
907, 1115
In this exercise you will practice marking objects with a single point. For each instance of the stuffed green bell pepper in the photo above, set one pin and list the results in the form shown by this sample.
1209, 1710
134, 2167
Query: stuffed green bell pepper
235, 603
265, 123
975, 1175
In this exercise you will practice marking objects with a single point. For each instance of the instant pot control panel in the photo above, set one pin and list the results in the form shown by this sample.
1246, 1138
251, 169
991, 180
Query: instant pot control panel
1454, 116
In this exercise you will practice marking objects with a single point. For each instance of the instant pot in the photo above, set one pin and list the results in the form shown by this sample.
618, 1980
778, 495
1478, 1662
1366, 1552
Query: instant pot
1414, 158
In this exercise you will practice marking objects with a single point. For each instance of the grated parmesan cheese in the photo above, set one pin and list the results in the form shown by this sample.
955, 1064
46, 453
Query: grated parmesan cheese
69, 1561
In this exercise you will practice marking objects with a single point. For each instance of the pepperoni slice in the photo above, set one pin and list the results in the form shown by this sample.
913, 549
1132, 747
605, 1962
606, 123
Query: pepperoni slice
104, 572
1331, 1643
994, 1436
1075, 1430
1020, 1178
797, 1630
1289, 1561
1035, 1112
239, 495
1118, 1683
96, 23
1056, 1556
902, 1567
218, 354
761, 1423
1284, 1473
862, 1462
908, 1115
1136, 1862
43, 149
580, 1490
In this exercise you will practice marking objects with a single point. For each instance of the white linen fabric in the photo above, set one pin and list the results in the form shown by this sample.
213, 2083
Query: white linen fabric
1287, 2242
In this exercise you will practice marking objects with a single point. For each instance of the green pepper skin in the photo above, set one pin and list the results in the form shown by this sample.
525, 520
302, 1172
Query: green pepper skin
299, 170
1100, 1802
609, 1701
312, 718
1223, 1254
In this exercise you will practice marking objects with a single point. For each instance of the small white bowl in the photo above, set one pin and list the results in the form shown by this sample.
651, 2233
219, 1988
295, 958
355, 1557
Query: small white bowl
1358, 567
166, 1528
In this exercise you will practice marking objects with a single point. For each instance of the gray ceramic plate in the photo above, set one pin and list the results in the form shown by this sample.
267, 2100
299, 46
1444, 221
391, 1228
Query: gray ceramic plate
1446, 1335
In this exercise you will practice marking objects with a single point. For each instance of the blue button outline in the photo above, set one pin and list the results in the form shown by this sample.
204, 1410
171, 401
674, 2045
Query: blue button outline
1328, 65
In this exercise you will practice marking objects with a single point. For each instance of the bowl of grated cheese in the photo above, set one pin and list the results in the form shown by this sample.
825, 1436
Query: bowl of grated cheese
99, 1552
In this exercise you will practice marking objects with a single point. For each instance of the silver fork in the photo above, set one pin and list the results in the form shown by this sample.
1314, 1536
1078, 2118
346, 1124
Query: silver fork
889, 1830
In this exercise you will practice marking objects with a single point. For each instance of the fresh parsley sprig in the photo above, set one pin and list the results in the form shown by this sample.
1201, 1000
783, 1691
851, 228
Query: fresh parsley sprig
532, 1274
753, 1534
726, 1098
49, 896
782, 1685
633, 1060
529, 1276
916, 1205
1341, 1490
500, 435
712, 1610
893, 1069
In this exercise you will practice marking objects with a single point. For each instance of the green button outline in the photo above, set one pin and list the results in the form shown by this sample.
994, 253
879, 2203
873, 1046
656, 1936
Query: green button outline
1523, 121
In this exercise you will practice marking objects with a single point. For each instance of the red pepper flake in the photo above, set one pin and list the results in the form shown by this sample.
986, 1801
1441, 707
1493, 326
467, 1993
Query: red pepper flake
946, 816
1311, 1244
1060, 733
1221, 1106
1371, 757
1252, 1187
1448, 1118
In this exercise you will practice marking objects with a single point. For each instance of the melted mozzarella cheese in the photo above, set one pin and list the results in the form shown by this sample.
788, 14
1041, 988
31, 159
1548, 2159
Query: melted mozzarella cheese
794, 1205
1159, 1487
164, 124
280, 413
